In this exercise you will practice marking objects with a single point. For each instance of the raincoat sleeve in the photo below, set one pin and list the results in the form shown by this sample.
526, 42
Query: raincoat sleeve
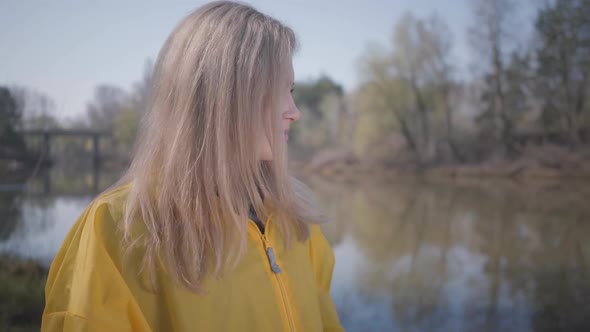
85, 289
322, 258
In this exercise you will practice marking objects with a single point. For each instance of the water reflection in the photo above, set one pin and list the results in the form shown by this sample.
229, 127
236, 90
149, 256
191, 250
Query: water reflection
411, 255
418, 256
37, 215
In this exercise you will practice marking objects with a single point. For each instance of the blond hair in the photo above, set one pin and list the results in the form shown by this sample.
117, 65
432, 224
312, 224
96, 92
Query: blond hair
195, 171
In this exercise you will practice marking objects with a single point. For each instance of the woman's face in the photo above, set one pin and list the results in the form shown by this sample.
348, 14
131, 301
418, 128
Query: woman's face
289, 114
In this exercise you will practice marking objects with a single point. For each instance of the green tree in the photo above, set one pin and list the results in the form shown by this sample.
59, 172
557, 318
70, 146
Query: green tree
322, 105
10, 139
125, 128
310, 94
563, 29
490, 37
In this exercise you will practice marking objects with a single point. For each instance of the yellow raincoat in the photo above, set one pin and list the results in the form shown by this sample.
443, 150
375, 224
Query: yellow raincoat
90, 289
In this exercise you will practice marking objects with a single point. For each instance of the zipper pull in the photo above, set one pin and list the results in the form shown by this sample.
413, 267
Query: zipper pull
270, 253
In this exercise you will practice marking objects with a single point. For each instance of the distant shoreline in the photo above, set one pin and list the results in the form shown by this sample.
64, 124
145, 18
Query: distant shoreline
517, 170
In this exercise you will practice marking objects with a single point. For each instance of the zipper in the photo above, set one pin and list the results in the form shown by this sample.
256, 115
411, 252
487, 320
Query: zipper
276, 270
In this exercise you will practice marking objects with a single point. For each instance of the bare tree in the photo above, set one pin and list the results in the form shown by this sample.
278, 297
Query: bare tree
141, 89
438, 46
37, 109
409, 64
102, 110
412, 81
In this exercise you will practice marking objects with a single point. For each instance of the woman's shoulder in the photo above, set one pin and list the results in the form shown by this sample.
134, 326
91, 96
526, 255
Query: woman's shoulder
90, 276
98, 234
101, 223
114, 199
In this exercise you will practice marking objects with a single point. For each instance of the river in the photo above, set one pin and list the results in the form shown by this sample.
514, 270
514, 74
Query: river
411, 255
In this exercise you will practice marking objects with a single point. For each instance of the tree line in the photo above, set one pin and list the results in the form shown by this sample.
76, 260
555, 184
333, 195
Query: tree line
414, 102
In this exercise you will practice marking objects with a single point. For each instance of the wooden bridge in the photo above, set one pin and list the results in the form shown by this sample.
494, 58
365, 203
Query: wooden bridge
48, 135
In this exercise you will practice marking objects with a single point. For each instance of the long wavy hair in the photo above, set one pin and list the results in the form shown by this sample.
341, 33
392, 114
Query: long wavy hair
195, 171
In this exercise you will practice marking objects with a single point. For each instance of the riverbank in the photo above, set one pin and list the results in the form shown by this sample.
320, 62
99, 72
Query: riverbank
548, 163
22, 284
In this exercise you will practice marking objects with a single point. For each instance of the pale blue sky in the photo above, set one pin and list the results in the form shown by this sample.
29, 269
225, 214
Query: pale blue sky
65, 48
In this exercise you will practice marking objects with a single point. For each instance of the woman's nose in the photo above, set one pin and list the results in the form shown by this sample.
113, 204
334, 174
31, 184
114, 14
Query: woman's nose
293, 114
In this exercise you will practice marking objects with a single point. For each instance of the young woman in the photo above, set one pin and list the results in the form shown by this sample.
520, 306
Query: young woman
206, 231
